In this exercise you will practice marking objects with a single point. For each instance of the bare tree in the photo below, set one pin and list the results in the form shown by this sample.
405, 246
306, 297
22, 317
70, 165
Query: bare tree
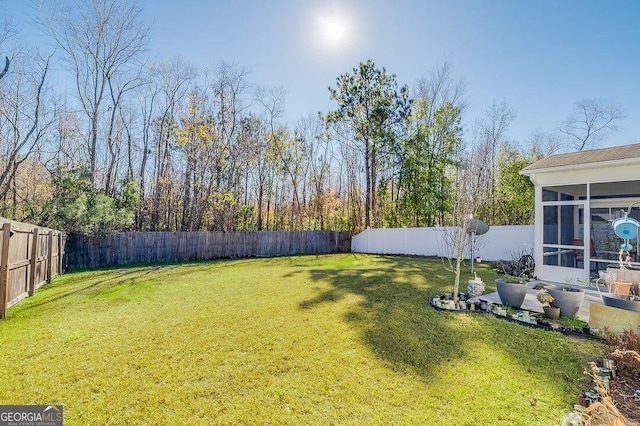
7, 31
230, 89
456, 237
491, 135
118, 89
440, 87
310, 132
291, 152
25, 116
173, 80
147, 99
102, 39
6, 67
256, 170
591, 122
542, 143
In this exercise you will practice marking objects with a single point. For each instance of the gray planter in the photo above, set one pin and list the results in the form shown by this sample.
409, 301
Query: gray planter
626, 304
551, 312
569, 302
511, 294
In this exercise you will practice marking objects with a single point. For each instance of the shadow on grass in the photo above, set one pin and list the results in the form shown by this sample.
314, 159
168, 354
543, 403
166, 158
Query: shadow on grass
401, 328
393, 311
78, 282
130, 276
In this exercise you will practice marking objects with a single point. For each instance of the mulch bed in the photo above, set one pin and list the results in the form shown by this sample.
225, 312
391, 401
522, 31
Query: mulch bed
622, 390
542, 323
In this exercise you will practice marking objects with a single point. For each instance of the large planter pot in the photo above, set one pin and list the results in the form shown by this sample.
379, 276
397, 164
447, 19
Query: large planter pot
615, 302
511, 294
568, 299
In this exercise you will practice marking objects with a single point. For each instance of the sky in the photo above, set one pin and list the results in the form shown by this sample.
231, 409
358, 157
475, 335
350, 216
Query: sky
540, 56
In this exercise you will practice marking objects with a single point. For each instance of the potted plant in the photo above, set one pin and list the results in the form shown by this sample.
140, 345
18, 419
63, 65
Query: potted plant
551, 312
619, 287
511, 290
568, 298
620, 294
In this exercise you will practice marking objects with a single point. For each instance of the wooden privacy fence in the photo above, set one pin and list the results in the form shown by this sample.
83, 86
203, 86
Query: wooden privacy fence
30, 256
145, 247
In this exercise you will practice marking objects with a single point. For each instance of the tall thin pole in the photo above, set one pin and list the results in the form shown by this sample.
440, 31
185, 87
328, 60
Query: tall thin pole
473, 241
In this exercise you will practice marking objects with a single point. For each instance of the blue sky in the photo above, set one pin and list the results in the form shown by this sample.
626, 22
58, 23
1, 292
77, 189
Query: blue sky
540, 56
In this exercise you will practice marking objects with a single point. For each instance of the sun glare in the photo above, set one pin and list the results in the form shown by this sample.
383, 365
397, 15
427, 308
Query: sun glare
333, 31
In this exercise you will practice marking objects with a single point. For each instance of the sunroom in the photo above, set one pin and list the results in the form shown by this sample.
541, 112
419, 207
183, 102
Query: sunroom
578, 197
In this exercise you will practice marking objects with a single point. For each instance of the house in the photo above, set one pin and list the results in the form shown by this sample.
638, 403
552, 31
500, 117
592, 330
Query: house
577, 196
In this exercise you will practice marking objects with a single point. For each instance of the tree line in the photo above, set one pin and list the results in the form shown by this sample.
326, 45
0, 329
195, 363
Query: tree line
138, 144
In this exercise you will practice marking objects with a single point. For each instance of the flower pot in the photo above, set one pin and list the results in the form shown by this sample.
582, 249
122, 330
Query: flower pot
568, 299
620, 287
511, 294
616, 302
551, 312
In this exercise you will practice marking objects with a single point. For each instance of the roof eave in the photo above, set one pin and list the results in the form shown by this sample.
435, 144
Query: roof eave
599, 164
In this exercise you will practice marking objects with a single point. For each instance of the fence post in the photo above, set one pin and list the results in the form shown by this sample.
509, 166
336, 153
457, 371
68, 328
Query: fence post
49, 263
62, 248
33, 261
4, 269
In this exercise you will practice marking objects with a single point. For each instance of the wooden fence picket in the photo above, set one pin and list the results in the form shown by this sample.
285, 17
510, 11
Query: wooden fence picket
4, 270
30, 256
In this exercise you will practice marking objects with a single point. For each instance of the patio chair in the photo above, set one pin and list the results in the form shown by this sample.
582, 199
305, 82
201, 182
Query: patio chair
606, 278
578, 255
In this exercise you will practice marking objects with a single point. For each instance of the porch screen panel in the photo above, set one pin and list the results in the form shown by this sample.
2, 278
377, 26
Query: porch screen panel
608, 201
563, 229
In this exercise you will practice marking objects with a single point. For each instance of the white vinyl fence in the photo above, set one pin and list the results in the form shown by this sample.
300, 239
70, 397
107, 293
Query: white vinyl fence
500, 243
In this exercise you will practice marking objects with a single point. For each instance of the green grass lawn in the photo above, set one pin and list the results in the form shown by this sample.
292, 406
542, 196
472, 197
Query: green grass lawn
335, 339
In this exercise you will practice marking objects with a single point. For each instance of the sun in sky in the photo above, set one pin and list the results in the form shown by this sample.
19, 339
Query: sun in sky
334, 30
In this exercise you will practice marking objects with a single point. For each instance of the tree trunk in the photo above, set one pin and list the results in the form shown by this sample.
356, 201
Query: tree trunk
367, 163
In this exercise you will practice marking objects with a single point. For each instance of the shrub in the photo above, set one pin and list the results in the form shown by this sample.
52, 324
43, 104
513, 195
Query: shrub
622, 347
